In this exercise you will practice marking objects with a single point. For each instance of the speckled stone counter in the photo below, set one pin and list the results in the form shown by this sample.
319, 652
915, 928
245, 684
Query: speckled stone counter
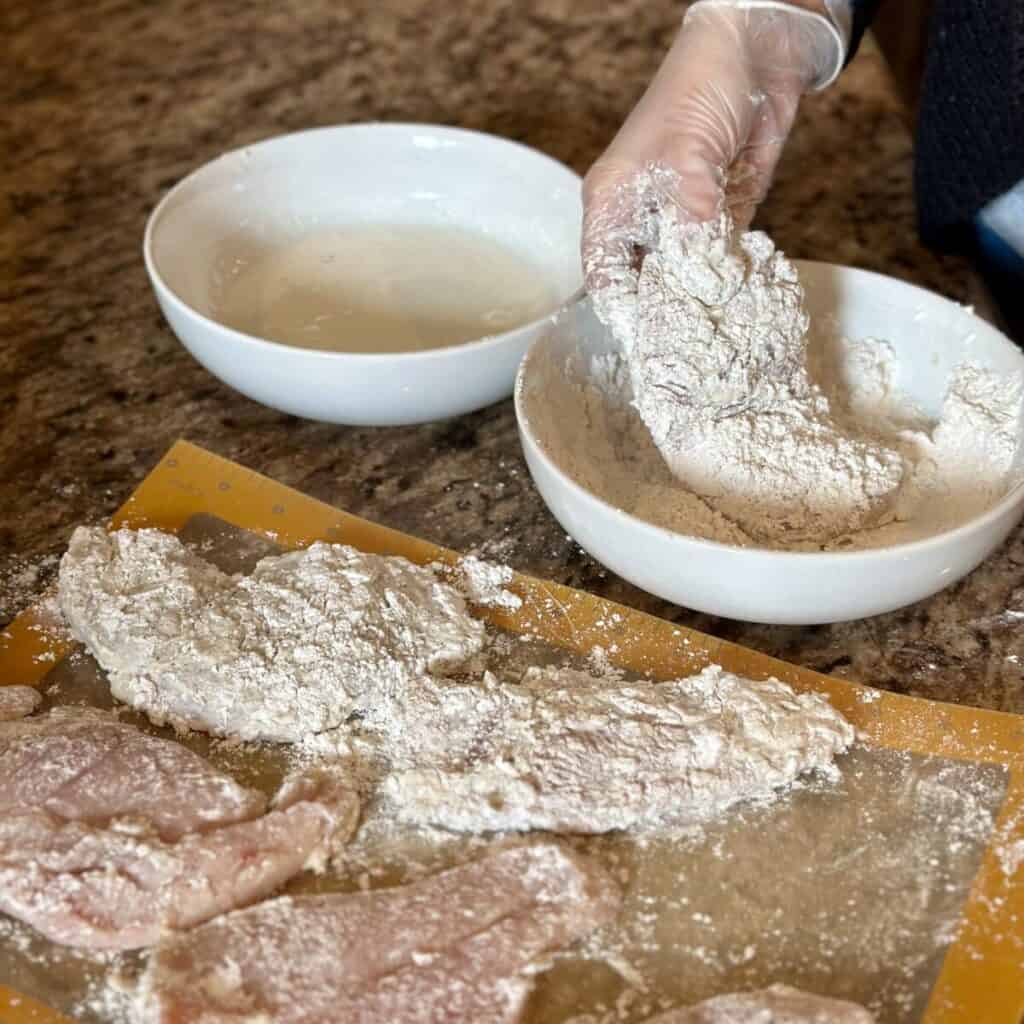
104, 105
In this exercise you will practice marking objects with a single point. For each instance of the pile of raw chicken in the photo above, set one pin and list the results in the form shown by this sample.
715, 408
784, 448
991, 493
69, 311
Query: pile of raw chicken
112, 838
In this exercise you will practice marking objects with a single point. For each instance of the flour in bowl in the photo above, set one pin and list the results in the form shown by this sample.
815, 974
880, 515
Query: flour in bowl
726, 415
718, 365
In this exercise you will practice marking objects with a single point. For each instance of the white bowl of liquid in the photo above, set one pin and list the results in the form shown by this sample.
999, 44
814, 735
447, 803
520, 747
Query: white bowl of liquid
930, 336
369, 274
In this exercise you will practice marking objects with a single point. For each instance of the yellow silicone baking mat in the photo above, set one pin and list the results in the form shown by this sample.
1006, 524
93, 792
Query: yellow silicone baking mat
978, 978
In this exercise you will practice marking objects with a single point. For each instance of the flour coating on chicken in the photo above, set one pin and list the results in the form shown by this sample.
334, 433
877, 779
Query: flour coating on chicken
110, 837
454, 948
567, 752
290, 652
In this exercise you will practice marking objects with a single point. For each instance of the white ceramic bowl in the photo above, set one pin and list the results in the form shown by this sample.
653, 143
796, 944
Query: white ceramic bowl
252, 200
930, 336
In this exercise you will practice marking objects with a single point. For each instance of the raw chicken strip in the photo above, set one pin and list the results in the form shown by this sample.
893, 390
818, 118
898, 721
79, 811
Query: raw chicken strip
778, 1004
123, 887
84, 765
291, 651
449, 949
17, 702
567, 752
719, 366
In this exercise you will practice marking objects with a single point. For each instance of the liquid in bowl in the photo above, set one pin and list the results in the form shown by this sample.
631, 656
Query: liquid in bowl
382, 288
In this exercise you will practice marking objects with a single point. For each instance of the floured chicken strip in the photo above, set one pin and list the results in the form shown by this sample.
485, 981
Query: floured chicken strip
305, 645
451, 949
567, 752
109, 837
17, 702
716, 342
292, 651
81, 764
778, 1004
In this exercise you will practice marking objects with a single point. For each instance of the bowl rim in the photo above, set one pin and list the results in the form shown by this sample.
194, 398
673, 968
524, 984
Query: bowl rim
975, 524
484, 342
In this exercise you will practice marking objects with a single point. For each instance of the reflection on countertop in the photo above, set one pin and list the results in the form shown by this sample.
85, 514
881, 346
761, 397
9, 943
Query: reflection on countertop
110, 103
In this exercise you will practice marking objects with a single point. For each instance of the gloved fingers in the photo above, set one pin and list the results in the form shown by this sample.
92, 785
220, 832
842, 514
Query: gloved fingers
616, 224
751, 175
722, 103
613, 225
624, 203
622, 200
673, 149
623, 206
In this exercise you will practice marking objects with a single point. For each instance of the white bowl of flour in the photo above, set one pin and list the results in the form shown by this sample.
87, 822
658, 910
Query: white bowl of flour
368, 274
943, 389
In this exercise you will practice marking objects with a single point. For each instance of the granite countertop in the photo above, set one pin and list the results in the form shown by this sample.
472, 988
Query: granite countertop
105, 105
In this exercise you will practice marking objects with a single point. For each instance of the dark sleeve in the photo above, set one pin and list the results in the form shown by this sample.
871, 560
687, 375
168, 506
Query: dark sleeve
971, 121
863, 12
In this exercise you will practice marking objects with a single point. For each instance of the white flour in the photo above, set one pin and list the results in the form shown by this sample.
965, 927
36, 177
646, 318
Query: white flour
308, 642
716, 371
334, 650
718, 368
565, 751
956, 467
482, 583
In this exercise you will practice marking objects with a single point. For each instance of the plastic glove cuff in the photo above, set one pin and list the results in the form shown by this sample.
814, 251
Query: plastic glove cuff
837, 23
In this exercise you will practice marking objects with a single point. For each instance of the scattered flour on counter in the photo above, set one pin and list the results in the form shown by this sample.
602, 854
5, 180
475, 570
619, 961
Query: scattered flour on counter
21, 582
111, 998
1008, 844
484, 583
1011, 856
722, 418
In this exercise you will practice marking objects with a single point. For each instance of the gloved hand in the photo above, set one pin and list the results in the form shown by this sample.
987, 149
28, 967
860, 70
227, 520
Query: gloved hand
708, 132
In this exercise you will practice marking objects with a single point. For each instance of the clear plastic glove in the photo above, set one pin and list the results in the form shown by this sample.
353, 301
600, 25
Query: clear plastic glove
707, 134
